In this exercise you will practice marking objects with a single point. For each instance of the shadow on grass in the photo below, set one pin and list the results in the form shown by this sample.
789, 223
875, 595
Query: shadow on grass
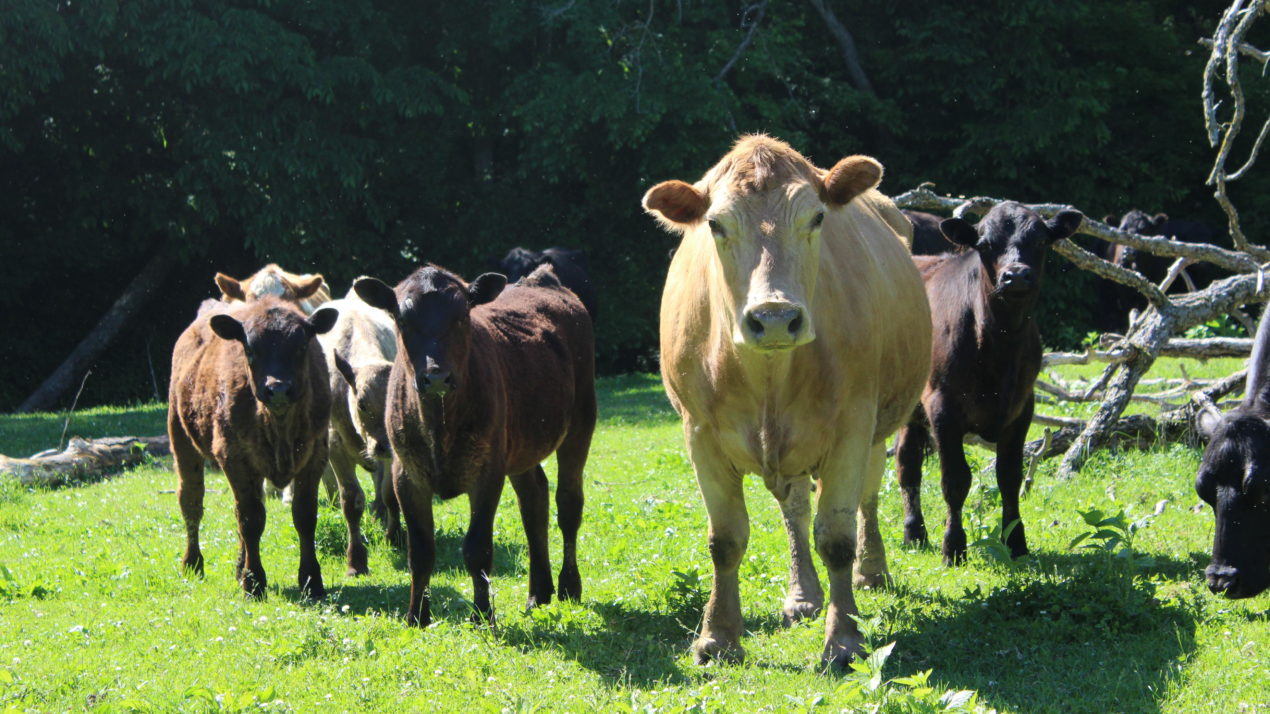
634, 399
1067, 633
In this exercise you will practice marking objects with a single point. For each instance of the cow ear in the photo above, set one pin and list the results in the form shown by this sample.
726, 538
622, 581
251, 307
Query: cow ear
307, 286
1064, 224
346, 370
231, 289
849, 178
959, 231
227, 328
1112, 220
376, 293
1206, 422
676, 204
323, 320
485, 288
1159, 219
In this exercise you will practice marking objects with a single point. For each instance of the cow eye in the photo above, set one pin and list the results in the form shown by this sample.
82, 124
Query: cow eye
818, 220
251, 354
716, 228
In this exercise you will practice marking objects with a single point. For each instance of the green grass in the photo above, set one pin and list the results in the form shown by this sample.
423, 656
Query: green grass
95, 615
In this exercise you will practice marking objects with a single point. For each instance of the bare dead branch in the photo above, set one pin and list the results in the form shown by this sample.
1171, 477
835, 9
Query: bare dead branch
846, 44
757, 10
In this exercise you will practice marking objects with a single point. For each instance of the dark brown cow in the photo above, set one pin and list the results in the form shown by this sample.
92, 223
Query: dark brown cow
482, 388
927, 238
985, 357
249, 391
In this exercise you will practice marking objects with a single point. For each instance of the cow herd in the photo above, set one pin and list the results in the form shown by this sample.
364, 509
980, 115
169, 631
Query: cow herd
800, 329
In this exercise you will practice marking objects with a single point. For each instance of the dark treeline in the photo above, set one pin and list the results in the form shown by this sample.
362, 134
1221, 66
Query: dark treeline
356, 136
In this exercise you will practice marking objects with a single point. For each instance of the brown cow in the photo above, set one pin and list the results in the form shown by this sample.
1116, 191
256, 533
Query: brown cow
249, 391
795, 338
986, 355
484, 387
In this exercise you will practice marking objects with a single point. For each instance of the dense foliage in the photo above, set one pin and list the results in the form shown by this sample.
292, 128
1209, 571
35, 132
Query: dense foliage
366, 136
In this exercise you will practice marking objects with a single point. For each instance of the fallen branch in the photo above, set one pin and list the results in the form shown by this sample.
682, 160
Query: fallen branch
83, 460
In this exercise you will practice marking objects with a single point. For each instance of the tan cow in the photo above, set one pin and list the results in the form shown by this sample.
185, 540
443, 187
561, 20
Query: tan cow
308, 290
795, 338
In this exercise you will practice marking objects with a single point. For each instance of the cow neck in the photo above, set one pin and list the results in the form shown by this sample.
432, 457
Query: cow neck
1000, 317
281, 433
443, 418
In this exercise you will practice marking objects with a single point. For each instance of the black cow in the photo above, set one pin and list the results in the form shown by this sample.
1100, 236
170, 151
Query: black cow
927, 238
1234, 478
985, 357
570, 267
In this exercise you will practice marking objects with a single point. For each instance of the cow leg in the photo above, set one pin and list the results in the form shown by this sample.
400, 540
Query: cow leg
478, 544
415, 498
955, 482
343, 466
870, 562
570, 461
189, 493
392, 509
304, 510
839, 486
249, 508
910, 450
729, 535
803, 595
532, 495
1010, 479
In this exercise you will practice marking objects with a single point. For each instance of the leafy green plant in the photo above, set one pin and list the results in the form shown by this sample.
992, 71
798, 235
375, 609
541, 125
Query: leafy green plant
864, 689
1113, 535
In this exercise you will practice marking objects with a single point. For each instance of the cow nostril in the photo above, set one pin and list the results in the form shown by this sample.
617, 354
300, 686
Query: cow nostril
755, 325
796, 324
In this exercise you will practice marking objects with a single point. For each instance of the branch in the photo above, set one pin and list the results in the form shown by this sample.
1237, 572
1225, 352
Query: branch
759, 8
846, 44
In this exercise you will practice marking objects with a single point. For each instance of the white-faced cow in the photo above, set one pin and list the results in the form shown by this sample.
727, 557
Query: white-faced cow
1234, 478
986, 355
795, 338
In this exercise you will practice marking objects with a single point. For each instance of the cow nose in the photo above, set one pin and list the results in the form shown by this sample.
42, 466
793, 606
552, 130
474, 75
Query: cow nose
436, 382
1221, 578
775, 323
277, 392
1017, 276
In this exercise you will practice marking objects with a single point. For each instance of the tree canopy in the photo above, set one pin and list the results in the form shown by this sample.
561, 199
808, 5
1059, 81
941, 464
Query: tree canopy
368, 136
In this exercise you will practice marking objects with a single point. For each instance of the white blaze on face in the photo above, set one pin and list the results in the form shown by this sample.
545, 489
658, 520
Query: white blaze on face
267, 283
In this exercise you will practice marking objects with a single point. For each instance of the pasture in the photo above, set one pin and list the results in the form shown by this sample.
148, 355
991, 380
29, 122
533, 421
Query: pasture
95, 614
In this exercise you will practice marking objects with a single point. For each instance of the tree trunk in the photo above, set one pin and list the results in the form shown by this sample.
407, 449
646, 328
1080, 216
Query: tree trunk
84, 460
45, 397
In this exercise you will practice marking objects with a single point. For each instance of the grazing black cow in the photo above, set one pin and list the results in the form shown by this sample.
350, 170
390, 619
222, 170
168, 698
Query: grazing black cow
570, 267
985, 357
1234, 478
927, 238
482, 388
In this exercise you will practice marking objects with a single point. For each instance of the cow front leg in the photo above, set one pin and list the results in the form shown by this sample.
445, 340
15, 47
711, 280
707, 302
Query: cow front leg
910, 451
304, 510
189, 493
478, 544
249, 509
870, 561
839, 487
803, 595
1010, 479
955, 481
729, 534
415, 498
532, 496
352, 503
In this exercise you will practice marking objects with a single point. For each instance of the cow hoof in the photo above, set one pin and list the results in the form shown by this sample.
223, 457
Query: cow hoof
710, 649
312, 589
915, 536
535, 600
357, 570
838, 655
416, 619
357, 561
570, 587
799, 610
192, 566
872, 581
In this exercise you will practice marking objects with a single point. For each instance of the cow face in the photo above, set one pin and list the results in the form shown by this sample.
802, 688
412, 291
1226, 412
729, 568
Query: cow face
276, 340
764, 208
1011, 242
1136, 221
432, 309
1234, 479
369, 387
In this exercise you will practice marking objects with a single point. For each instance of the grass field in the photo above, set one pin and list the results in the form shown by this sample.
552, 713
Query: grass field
95, 615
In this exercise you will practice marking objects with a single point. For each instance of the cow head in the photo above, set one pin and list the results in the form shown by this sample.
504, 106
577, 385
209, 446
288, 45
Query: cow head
763, 208
276, 339
1139, 222
307, 291
1234, 479
1011, 242
368, 385
519, 262
432, 309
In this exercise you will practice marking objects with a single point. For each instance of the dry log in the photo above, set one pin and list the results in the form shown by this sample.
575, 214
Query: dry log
83, 460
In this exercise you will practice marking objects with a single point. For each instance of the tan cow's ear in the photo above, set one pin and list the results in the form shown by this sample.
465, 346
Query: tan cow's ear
231, 289
306, 287
849, 178
675, 204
